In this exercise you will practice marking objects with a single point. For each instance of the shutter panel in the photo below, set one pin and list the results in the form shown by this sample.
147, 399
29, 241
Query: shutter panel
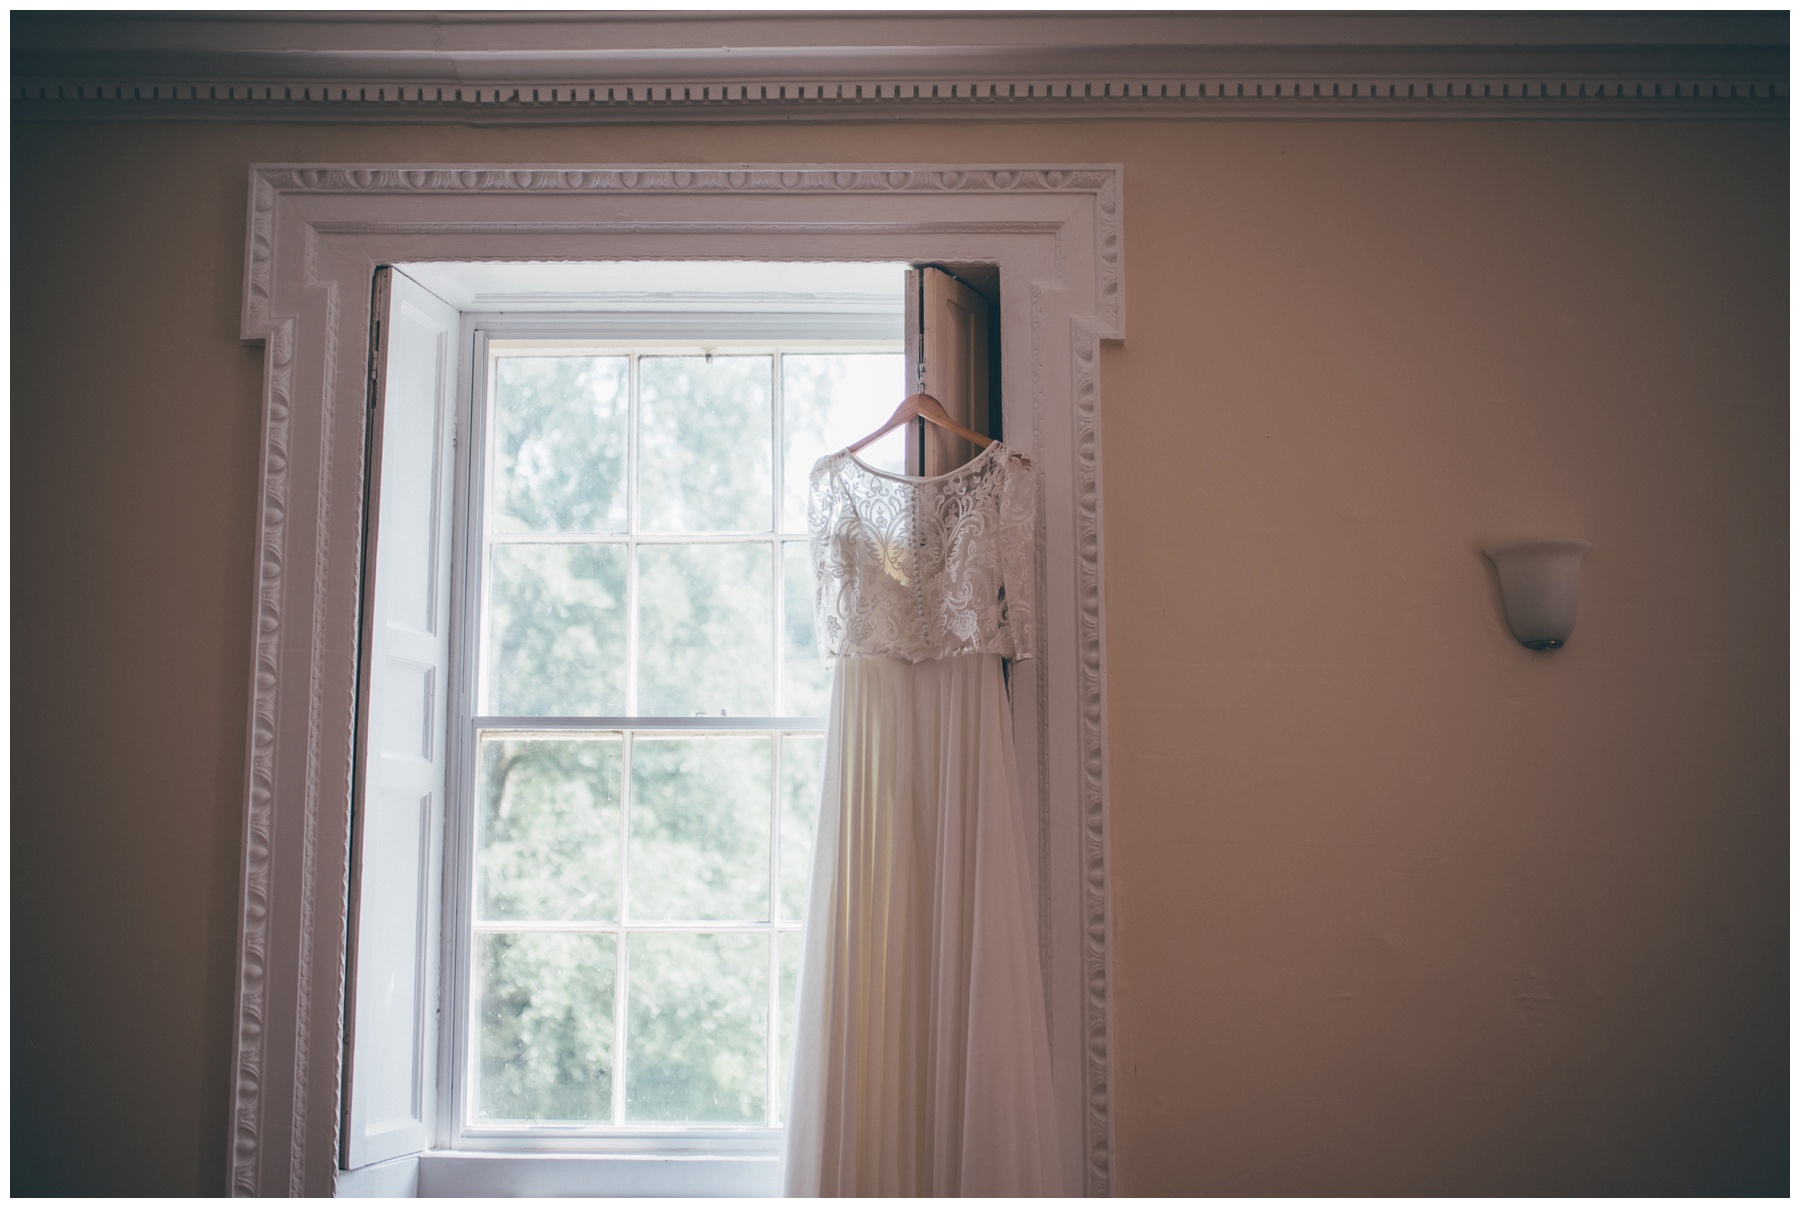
951, 340
397, 856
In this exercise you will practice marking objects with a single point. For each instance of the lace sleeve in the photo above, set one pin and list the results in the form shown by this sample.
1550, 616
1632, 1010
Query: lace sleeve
820, 522
1018, 554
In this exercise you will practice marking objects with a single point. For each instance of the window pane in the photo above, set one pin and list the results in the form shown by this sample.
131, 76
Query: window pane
801, 755
697, 1031
703, 630
704, 444
805, 675
788, 952
700, 827
548, 845
827, 401
546, 1027
556, 631
560, 434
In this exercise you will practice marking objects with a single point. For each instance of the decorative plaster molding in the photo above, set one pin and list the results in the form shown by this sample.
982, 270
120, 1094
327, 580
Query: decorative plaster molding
1097, 924
301, 716
254, 906
1285, 96
746, 178
593, 68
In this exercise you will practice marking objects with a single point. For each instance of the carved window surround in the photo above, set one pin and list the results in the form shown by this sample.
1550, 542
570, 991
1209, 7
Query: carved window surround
315, 235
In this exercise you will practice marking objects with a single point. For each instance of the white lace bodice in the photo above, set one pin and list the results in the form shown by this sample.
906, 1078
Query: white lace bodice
924, 568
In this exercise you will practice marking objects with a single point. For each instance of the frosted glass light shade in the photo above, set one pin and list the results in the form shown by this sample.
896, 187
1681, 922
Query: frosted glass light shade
1538, 584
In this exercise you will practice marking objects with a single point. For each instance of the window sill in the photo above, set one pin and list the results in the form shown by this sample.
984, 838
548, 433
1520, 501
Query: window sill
451, 1174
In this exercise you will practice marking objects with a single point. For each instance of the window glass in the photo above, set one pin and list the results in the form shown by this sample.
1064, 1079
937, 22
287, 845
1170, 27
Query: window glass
801, 755
704, 630
647, 743
704, 451
827, 401
805, 676
560, 430
546, 1035
555, 633
700, 827
547, 843
698, 1028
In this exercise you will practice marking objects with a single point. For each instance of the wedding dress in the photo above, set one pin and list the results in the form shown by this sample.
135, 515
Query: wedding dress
922, 1056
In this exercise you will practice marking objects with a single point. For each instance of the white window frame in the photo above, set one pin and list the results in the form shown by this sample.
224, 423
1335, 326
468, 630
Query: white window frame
576, 333
315, 234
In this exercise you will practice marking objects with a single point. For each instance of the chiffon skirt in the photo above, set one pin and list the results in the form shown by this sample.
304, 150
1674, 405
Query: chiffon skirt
922, 1056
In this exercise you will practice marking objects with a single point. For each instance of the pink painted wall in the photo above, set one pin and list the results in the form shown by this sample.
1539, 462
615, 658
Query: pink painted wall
1400, 907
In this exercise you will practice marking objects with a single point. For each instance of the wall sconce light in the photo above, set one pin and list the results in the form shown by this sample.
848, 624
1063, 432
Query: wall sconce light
1538, 584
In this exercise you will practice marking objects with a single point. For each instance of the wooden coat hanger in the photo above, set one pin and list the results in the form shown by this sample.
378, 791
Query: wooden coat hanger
923, 406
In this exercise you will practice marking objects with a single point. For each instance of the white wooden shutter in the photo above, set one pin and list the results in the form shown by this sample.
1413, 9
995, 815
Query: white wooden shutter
947, 357
397, 858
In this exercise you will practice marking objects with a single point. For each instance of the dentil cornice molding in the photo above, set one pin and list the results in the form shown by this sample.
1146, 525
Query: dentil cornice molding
588, 68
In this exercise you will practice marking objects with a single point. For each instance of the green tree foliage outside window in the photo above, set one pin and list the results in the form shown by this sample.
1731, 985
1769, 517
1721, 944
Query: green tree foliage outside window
635, 882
